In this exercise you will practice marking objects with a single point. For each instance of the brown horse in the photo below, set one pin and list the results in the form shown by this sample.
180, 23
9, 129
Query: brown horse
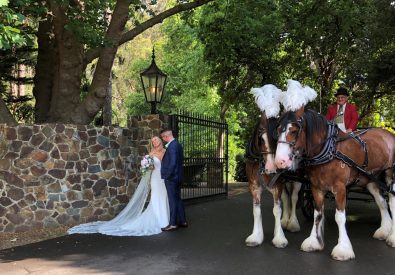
333, 161
260, 170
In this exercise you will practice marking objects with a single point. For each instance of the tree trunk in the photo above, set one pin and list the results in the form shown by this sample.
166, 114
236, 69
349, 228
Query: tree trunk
94, 101
62, 61
43, 79
68, 71
107, 108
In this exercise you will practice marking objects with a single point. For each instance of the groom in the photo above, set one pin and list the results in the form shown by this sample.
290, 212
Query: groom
172, 172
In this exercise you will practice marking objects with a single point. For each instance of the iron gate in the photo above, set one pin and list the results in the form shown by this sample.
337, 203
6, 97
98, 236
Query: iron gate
205, 144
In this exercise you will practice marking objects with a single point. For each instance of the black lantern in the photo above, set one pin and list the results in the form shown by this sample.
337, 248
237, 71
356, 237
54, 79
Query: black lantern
153, 81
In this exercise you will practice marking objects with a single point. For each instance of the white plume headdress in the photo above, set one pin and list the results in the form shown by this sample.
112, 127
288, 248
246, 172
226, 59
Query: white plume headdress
297, 96
268, 99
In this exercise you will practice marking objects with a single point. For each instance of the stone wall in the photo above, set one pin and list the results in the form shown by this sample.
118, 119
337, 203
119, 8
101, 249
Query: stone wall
56, 174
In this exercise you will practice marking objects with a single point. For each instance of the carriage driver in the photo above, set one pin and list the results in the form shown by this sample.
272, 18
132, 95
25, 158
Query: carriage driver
343, 113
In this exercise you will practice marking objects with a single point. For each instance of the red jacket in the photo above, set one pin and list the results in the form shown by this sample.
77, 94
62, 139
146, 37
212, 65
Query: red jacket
350, 115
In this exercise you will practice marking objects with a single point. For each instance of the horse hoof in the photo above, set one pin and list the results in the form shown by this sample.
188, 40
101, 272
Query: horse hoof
253, 241
382, 233
293, 226
252, 244
280, 243
342, 253
311, 244
391, 241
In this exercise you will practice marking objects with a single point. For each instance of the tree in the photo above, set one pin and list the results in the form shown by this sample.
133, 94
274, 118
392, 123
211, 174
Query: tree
15, 37
321, 43
71, 35
13, 31
241, 45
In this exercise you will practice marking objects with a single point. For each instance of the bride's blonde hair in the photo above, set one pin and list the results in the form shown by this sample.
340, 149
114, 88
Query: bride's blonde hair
151, 144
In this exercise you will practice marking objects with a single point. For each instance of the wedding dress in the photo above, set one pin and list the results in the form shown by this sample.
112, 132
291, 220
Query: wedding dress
134, 220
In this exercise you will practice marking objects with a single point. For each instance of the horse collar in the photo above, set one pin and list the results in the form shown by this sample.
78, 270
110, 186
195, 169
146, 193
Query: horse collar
328, 150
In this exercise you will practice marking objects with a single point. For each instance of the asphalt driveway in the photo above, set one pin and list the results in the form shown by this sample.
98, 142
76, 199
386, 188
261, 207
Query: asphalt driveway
213, 244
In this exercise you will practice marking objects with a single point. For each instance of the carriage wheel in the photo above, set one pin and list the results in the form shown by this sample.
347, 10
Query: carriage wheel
308, 204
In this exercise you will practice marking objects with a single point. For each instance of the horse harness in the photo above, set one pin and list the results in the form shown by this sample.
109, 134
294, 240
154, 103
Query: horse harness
259, 157
329, 152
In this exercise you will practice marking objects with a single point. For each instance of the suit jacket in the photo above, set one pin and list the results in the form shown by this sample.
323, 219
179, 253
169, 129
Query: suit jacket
172, 168
350, 115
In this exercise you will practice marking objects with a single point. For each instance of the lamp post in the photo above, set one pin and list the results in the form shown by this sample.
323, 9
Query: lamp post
153, 81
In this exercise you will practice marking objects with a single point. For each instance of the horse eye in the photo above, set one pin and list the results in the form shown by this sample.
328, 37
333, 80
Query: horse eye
293, 132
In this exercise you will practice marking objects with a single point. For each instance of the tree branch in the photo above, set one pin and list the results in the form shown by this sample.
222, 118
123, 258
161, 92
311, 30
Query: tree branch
94, 53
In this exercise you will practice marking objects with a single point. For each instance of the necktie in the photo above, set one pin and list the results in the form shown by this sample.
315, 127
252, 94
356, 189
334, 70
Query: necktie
340, 112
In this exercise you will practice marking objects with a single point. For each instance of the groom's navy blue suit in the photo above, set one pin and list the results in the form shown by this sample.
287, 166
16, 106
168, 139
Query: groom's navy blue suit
172, 173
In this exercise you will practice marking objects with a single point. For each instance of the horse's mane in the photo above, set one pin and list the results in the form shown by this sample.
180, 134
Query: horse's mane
252, 148
316, 126
255, 142
286, 118
271, 131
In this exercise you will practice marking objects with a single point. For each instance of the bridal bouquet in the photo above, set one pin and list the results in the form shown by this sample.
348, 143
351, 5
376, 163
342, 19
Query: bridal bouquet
147, 163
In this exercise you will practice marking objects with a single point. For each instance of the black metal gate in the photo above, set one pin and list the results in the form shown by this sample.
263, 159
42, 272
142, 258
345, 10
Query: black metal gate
205, 144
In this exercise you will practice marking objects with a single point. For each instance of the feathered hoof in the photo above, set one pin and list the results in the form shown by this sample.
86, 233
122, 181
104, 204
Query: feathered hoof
284, 223
343, 253
382, 233
391, 240
254, 240
311, 244
293, 225
280, 242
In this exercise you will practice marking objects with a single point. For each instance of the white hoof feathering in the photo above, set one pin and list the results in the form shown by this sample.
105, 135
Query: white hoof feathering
284, 222
257, 236
293, 225
254, 240
382, 233
391, 239
311, 244
342, 252
280, 241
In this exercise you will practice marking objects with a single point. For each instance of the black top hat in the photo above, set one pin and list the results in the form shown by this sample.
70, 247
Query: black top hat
342, 91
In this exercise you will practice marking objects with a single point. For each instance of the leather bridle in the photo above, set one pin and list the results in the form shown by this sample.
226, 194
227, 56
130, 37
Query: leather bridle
299, 123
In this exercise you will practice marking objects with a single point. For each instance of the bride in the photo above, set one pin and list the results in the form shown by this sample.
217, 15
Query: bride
134, 220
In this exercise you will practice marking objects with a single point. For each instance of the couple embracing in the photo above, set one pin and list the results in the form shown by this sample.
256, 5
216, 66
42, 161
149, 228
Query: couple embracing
165, 211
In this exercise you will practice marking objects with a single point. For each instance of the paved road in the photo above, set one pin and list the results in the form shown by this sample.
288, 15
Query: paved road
213, 244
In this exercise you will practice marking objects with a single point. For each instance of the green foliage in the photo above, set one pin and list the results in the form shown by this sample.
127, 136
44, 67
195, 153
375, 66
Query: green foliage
20, 107
241, 44
91, 24
182, 60
136, 105
14, 31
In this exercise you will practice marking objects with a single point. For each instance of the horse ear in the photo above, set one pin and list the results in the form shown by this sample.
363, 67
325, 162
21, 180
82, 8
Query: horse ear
299, 113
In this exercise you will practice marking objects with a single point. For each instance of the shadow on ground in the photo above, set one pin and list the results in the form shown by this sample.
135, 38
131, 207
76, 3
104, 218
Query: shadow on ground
214, 243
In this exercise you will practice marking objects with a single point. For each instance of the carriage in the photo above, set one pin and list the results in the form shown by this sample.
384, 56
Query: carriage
330, 161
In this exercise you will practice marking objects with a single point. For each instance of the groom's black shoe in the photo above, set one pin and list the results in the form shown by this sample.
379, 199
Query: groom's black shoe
183, 225
169, 228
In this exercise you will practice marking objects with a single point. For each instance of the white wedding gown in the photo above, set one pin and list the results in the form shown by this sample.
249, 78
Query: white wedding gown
134, 220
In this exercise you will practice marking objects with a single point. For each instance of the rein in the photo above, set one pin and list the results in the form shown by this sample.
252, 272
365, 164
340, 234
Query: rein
256, 156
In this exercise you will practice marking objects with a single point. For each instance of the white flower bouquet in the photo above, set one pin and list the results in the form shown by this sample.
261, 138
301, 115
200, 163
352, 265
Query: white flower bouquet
147, 163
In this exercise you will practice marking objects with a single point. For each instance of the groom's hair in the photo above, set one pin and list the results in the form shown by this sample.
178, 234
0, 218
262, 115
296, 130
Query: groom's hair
166, 130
